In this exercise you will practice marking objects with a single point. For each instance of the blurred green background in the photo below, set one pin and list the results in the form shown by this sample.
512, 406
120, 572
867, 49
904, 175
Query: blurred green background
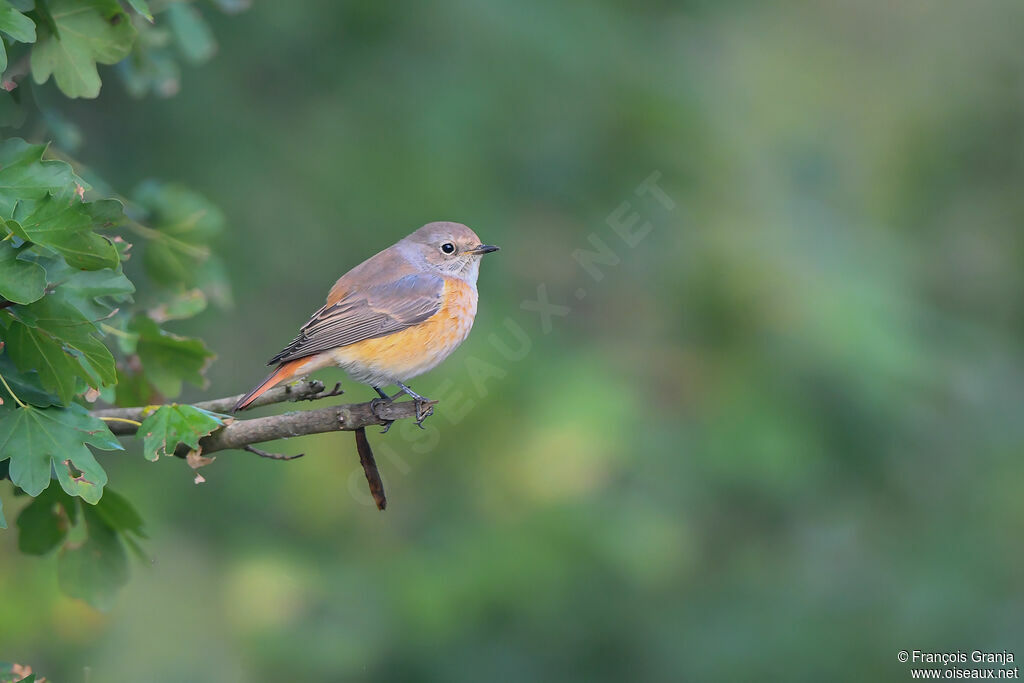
780, 439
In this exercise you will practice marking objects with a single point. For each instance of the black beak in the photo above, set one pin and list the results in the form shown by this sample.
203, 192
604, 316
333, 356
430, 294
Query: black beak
482, 249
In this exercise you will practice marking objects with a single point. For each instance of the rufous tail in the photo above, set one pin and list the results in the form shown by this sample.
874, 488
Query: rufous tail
284, 372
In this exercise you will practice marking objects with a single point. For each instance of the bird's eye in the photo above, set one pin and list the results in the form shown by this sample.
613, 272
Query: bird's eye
448, 248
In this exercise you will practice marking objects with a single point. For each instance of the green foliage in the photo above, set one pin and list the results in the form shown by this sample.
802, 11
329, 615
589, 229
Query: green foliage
43, 524
172, 424
66, 227
70, 327
24, 175
186, 222
78, 35
20, 281
17, 27
92, 563
54, 337
167, 359
40, 439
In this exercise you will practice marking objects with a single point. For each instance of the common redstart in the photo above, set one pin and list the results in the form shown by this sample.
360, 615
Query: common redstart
393, 317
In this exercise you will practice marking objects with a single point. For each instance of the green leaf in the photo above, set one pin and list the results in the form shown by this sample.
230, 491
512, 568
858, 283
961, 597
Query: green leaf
36, 439
3, 521
66, 226
20, 281
184, 305
88, 32
150, 69
173, 424
24, 175
26, 385
168, 359
43, 524
15, 24
119, 514
142, 7
185, 222
32, 348
191, 33
172, 263
54, 338
95, 293
97, 569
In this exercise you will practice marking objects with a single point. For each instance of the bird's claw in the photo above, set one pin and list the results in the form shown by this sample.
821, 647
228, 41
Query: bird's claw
375, 405
424, 409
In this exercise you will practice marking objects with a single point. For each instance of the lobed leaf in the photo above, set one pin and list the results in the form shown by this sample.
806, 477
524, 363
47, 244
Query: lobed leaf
167, 359
38, 439
53, 337
84, 33
25, 176
173, 424
66, 226
185, 223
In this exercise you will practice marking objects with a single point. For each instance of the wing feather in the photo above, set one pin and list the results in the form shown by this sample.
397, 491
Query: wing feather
367, 313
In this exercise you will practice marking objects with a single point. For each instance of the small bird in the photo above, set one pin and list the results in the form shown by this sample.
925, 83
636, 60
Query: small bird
393, 317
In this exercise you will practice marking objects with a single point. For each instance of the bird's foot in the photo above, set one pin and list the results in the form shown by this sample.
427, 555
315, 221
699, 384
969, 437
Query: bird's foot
424, 409
375, 406
424, 406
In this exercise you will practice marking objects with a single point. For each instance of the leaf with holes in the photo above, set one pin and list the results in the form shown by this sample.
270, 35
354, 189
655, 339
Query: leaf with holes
173, 424
36, 439
88, 32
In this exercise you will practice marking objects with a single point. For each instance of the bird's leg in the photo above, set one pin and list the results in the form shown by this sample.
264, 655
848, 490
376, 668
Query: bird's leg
384, 398
424, 406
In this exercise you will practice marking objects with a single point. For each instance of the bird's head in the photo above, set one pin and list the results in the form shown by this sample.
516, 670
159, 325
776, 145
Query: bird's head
448, 249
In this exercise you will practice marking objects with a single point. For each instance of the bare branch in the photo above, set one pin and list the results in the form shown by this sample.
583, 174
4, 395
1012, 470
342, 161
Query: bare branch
240, 434
272, 456
302, 390
370, 469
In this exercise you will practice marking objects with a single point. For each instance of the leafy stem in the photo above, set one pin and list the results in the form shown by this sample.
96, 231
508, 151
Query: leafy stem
11, 392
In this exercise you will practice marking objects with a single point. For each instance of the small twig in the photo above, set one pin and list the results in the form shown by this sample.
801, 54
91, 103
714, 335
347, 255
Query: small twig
11, 392
125, 420
370, 469
4, 303
272, 456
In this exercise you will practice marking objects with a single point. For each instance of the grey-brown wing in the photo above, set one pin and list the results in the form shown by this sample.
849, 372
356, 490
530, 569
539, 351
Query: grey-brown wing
367, 313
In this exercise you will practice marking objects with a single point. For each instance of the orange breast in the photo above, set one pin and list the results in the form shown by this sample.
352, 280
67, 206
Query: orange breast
413, 351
